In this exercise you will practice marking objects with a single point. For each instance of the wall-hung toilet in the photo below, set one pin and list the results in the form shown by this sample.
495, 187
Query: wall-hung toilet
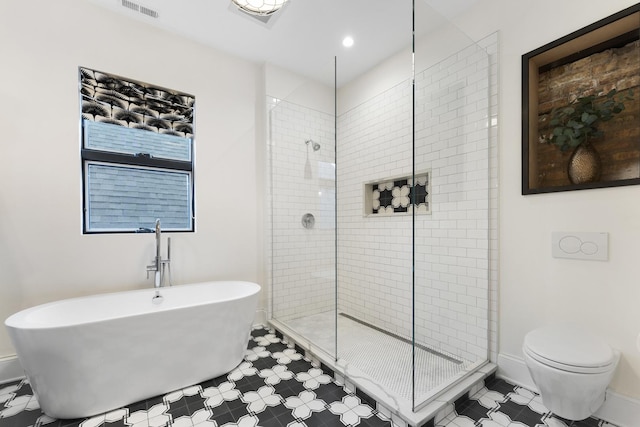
571, 368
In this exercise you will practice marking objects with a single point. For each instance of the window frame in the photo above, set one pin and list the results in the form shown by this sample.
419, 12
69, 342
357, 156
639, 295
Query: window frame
139, 160
101, 158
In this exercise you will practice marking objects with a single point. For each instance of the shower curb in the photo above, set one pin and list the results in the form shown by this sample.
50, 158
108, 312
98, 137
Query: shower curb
401, 415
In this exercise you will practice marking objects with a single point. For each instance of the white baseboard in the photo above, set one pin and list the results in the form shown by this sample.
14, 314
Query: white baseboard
514, 370
617, 409
10, 369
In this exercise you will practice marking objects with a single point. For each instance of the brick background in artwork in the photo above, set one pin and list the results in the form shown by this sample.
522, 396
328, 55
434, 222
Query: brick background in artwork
597, 74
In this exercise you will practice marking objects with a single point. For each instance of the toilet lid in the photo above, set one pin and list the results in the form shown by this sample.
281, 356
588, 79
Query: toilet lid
570, 349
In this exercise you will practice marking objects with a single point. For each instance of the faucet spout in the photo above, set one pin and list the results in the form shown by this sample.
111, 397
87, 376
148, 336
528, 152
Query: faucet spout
158, 243
157, 279
158, 264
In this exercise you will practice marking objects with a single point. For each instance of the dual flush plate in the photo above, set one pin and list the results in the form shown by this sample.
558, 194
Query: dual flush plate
587, 246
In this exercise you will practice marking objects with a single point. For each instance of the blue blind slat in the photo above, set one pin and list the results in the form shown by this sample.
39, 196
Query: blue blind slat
121, 197
119, 139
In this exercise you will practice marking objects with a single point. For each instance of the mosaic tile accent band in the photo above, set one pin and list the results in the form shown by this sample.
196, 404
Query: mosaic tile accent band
395, 196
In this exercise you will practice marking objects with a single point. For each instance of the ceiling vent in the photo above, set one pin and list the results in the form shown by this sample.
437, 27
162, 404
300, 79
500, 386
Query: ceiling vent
139, 8
264, 20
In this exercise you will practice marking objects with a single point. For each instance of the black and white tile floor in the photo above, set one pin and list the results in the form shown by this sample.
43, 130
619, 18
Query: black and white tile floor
276, 386
501, 404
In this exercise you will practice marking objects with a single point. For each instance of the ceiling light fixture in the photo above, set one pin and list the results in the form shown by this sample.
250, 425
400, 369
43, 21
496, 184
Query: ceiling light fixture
260, 7
347, 41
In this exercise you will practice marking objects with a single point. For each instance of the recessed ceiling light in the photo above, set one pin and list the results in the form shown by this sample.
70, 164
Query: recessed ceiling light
347, 41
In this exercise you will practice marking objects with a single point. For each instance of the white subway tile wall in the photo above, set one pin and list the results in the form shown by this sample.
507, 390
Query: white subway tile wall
490, 44
456, 245
302, 181
374, 253
452, 265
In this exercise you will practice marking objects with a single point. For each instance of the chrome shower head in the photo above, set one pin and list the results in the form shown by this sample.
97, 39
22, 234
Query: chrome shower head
314, 144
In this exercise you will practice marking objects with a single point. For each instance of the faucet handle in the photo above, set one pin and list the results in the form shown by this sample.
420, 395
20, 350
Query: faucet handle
150, 267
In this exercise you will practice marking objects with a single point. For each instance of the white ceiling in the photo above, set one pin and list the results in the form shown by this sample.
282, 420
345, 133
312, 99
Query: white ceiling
305, 35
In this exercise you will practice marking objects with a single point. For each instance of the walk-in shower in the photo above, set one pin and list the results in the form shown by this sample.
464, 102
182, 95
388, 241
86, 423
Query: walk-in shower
391, 285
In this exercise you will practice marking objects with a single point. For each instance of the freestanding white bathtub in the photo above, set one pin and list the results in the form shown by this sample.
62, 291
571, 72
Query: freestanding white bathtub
85, 356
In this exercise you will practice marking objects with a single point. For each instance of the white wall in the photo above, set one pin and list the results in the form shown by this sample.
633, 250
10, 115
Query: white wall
536, 289
43, 254
296, 89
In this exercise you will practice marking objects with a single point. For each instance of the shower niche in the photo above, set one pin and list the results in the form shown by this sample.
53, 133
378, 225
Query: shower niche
397, 196
390, 288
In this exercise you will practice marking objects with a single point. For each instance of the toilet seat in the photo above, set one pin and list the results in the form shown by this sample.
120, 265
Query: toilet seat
569, 349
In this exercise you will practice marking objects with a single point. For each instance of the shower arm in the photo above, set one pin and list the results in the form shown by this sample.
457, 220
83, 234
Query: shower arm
314, 145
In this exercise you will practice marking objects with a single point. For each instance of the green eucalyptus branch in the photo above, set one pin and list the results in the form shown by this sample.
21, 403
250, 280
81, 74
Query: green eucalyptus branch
577, 123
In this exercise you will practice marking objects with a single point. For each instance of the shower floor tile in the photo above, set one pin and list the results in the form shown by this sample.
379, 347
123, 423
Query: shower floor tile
275, 386
384, 358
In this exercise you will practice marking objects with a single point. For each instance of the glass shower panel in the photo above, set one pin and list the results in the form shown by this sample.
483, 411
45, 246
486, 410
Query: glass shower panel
378, 204
301, 246
374, 165
451, 195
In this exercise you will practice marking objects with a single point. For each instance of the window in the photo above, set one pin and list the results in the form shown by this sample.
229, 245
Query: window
137, 155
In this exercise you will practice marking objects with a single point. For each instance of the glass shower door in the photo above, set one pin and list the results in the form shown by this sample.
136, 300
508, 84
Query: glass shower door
301, 155
379, 210
451, 199
374, 159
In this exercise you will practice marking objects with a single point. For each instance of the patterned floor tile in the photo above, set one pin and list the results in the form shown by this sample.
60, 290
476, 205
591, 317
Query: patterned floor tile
501, 404
276, 386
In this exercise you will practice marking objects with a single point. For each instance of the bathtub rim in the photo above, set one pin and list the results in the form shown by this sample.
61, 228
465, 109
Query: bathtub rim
18, 319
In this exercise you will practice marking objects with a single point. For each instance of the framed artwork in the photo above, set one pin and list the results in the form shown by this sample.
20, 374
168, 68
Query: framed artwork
581, 108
